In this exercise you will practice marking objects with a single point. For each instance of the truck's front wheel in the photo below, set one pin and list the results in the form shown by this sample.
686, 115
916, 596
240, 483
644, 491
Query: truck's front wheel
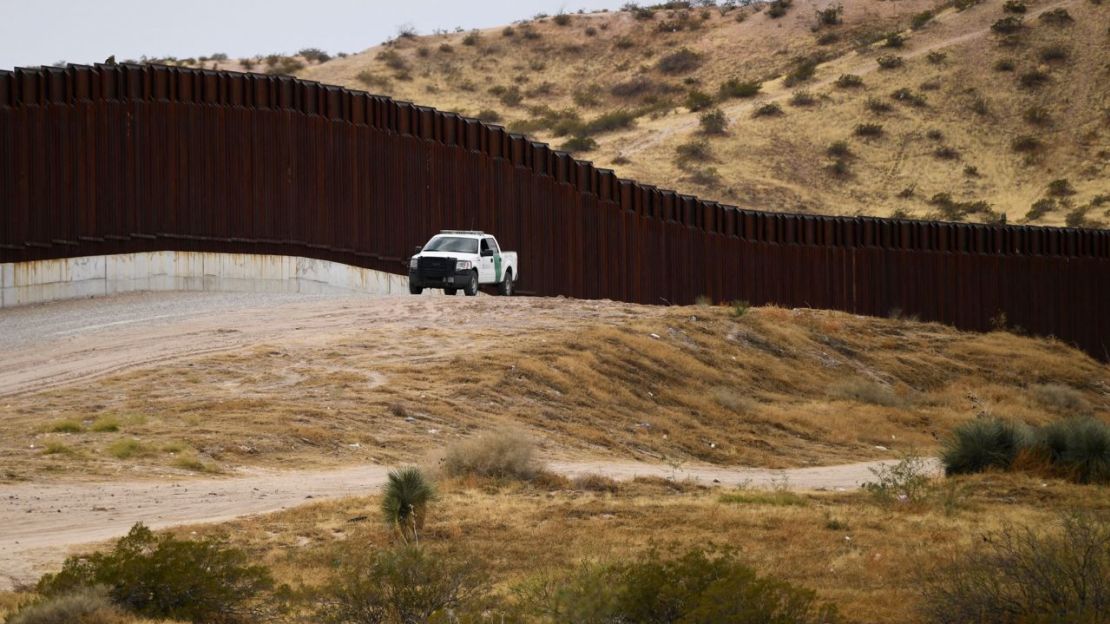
450, 291
506, 286
414, 289
472, 285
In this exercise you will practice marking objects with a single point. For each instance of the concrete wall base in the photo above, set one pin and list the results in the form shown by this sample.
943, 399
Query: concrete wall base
51, 280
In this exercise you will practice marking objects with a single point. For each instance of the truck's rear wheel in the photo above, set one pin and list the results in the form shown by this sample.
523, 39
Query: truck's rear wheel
472, 285
506, 286
450, 291
415, 290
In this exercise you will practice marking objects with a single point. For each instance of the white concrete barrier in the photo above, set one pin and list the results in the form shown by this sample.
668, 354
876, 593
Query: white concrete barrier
69, 278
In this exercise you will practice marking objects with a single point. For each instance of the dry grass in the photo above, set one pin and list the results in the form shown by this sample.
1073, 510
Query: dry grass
774, 388
870, 566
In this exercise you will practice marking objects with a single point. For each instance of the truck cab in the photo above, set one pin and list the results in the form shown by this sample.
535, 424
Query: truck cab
455, 260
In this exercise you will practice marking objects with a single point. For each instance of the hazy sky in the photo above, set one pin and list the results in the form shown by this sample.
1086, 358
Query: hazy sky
43, 32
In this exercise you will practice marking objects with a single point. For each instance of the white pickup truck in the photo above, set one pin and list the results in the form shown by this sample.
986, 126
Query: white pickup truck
462, 260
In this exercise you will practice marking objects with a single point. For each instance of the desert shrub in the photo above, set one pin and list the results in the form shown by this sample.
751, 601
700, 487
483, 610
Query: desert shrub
839, 149
286, 65
864, 391
402, 584
919, 20
472, 38
979, 106
963, 5
1077, 217
827, 38
875, 105
840, 168
1060, 187
511, 96
802, 98
586, 97
609, 122
890, 62
830, 15
735, 88
983, 444
936, 57
635, 87
498, 455
247, 64
489, 115
314, 55
1008, 25
693, 152
84, 605
164, 577
590, 31
945, 152
405, 501
1005, 65
1055, 52
1033, 78
680, 61
579, 144
894, 40
1020, 575
561, 19
639, 12
1057, 17
906, 481
698, 586
1040, 208
1014, 6
849, 81
1078, 449
698, 100
771, 109
869, 130
934, 134
802, 72
713, 121
128, 448
971, 171
778, 8
1026, 144
392, 60
907, 96
952, 210
66, 426
446, 48
704, 176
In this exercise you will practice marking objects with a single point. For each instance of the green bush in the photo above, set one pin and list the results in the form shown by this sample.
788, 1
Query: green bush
498, 455
1053, 53
734, 88
890, 62
696, 587
1026, 143
982, 444
1008, 25
830, 16
1021, 576
489, 115
849, 81
839, 149
894, 40
778, 8
1033, 78
1060, 187
802, 98
314, 55
869, 130
713, 121
1014, 6
936, 57
698, 100
802, 72
66, 426
771, 109
405, 584
164, 577
906, 481
561, 19
1040, 208
681, 61
1078, 449
876, 105
579, 144
919, 20
693, 152
610, 122
405, 501
1057, 17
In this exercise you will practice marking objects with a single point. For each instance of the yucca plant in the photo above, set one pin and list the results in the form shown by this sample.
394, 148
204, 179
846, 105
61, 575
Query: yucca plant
1085, 456
405, 502
983, 443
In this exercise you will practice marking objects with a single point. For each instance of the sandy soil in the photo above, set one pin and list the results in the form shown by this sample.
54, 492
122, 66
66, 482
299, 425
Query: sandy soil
42, 522
66, 343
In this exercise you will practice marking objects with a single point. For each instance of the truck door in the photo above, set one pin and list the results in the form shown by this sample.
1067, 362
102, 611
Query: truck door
489, 262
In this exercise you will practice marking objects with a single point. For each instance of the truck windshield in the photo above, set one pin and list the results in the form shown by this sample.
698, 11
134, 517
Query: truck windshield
452, 243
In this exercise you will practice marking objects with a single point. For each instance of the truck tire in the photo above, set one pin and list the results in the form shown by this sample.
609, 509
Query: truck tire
505, 288
450, 291
415, 290
472, 285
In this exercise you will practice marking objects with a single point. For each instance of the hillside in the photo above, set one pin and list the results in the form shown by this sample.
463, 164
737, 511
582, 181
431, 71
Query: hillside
973, 125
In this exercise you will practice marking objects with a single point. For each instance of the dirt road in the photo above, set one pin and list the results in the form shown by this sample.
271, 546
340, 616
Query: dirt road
40, 523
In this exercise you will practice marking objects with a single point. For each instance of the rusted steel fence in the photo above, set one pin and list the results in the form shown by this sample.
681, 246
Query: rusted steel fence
125, 158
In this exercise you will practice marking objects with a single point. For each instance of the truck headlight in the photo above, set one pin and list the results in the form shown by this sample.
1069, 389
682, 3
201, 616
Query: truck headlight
463, 265
412, 262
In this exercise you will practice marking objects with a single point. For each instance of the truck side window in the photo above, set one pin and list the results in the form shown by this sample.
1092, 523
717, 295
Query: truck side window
485, 244
493, 245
